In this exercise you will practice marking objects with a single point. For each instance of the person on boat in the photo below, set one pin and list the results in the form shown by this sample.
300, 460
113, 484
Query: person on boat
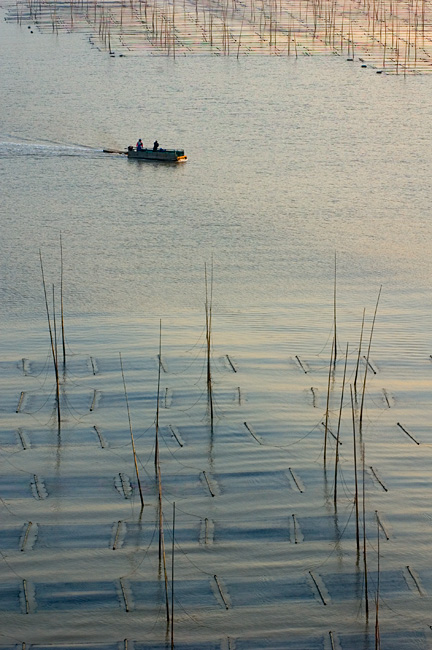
155, 145
140, 145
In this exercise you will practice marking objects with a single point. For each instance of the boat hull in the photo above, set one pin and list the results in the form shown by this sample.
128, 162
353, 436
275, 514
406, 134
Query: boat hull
162, 155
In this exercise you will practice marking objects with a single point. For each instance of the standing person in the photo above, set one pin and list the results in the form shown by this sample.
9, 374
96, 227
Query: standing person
155, 145
140, 145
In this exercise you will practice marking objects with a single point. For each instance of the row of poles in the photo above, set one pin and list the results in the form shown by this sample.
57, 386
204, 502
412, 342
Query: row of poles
393, 34
357, 398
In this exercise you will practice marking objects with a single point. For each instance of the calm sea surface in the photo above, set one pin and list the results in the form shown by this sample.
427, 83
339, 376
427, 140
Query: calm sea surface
291, 165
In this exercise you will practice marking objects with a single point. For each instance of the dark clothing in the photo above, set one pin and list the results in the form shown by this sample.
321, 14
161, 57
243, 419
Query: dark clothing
155, 145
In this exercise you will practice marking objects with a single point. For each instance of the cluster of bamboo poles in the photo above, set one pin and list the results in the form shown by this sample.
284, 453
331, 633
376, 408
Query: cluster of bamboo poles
390, 35
357, 406
163, 567
53, 331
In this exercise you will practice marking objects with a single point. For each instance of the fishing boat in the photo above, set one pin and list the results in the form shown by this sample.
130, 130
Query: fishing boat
164, 155
147, 153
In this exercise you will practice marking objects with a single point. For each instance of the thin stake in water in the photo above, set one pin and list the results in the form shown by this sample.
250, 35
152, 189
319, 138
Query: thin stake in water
295, 481
381, 525
208, 483
334, 312
317, 588
295, 529
162, 555
377, 630
408, 434
364, 539
53, 351
208, 311
359, 351
366, 367
356, 500
27, 606
222, 595
20, 401
123, 591
156, 458
131, 434
328, 401
301, 365
231, 363
378, 479
26, 534
172, 578
119, 523
61, 302
338, 429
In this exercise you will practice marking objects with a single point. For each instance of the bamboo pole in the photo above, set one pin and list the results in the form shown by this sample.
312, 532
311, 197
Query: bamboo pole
173, 31
239, 40
24, 542
25, 594
221, 592
338, 429
359, 350
328, 401
61, 302
56, 348
20, 401
131, 433
162, 554
172, 578
364, 537
54, 356
208, 310
156, 458
356, 501
367, 364
54, 324
377, 629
